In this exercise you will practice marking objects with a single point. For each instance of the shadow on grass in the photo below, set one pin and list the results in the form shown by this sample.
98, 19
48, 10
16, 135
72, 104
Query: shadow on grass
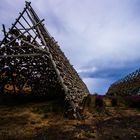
12, 120
55, 132
10, 99
119, 128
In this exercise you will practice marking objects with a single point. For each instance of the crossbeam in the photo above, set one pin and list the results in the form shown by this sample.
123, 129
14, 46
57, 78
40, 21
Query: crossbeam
21, 55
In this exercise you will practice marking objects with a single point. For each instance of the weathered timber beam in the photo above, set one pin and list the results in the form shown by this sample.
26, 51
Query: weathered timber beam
4, 31
21, 55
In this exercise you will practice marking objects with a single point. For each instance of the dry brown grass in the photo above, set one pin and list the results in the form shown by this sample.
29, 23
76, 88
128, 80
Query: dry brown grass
45, 121
23, 121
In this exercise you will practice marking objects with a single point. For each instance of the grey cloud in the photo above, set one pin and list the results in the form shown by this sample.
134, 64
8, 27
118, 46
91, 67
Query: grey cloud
100, 34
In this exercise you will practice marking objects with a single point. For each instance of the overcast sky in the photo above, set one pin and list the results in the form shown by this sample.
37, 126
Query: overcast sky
101, 38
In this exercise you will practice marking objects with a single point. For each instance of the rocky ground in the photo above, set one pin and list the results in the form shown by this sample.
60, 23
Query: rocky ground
43, 121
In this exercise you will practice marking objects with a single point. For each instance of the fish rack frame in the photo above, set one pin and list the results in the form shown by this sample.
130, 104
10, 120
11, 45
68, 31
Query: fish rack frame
129, 85
31, 61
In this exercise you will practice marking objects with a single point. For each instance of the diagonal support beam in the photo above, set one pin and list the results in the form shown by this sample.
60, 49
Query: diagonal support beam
34, 19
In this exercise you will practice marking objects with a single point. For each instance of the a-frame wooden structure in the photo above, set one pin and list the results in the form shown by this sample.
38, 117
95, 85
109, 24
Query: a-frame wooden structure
129, 85
31, 61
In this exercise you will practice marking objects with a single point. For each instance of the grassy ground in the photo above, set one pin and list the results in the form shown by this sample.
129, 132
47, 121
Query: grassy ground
44, 121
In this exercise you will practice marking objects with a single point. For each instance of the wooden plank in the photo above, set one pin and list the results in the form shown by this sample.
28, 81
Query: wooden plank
4, 31
21, 55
